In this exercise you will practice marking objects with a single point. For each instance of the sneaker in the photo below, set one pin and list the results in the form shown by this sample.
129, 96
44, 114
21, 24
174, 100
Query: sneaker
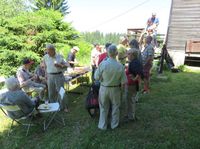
125, 119
66, 110
133, 120
145, 91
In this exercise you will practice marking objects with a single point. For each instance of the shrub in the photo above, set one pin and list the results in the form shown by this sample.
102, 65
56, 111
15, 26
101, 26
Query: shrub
11, 60
27, 34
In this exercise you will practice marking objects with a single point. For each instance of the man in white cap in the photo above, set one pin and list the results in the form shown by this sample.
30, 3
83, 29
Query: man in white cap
71, 58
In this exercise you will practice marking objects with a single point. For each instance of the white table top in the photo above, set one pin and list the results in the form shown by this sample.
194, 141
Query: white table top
53, 107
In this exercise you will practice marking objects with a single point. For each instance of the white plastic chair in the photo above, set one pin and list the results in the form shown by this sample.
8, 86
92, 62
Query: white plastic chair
53, 109
15, 108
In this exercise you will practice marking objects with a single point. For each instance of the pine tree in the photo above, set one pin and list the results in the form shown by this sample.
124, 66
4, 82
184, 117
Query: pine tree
61, 5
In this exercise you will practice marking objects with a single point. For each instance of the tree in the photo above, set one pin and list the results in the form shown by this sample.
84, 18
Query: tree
27, 34
98, 37
61, 5
11, 8
65, 8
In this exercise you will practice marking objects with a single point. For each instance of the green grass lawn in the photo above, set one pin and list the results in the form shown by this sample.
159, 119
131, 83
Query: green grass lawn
169, 118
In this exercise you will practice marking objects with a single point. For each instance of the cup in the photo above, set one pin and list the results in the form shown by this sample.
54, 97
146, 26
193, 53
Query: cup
55, 62
46, 102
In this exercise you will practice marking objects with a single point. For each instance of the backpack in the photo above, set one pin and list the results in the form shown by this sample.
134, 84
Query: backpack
92, 103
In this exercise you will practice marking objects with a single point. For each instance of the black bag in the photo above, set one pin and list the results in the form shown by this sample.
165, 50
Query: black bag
92, 103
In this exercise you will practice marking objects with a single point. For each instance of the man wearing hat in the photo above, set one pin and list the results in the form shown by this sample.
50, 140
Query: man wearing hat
71, 58
27, 79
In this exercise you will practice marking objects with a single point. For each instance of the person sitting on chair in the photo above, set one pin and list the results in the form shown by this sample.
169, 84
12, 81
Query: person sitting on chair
27, 80
40, 73
15, 96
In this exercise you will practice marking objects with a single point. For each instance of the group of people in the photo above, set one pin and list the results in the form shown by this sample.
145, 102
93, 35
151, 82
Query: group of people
120, 79
117, 79
45, 82
109, 68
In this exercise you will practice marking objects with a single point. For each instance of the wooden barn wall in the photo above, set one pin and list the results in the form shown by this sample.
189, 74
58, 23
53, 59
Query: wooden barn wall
184, 24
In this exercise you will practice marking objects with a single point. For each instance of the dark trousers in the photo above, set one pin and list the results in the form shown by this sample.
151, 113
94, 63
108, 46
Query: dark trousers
93, 71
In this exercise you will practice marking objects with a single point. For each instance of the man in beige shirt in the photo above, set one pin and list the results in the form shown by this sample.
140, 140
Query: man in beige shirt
112, 77
27, 79
54, 66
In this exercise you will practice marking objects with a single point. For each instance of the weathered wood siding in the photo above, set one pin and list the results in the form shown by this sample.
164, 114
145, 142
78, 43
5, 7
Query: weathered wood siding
184, 23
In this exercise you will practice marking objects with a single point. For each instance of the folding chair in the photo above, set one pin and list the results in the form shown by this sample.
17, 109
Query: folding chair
53, 109
14, 108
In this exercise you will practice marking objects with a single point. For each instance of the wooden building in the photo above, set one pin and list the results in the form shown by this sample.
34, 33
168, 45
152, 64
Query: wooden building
183, 36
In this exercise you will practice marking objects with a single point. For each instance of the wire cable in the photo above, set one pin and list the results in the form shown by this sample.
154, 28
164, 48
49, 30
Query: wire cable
117, 16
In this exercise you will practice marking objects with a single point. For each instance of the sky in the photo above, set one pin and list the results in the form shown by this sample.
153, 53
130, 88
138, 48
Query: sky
116, 15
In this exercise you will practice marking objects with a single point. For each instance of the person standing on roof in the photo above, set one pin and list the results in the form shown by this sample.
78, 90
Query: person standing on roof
151, 28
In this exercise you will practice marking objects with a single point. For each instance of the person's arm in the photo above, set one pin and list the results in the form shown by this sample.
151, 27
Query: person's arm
149, 59
150, 55
73, 62
24, 102
45, 67
62, 64
98, 73
135, 68
22, 80
71, 59
123, 78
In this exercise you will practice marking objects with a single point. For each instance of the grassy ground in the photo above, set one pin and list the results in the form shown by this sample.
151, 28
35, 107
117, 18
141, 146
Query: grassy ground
169, 118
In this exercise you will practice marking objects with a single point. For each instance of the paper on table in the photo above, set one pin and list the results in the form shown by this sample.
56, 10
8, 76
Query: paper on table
44, 107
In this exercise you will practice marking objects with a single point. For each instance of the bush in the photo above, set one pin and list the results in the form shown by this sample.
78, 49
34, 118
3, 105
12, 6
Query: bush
27, 34
11, 60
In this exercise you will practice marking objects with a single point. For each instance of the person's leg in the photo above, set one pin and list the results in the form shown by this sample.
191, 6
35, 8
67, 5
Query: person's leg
146, 73
137, 87
146, 85
51, 88
60, 83
131, 102
93, 71
104, 108
40, 89
114, 95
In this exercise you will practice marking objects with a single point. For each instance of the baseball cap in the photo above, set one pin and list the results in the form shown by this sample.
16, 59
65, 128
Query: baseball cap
27, 61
